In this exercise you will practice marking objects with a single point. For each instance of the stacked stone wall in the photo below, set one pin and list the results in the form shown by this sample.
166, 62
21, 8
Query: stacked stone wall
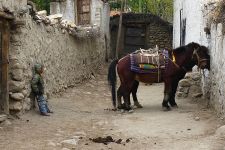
68, 59
159, 35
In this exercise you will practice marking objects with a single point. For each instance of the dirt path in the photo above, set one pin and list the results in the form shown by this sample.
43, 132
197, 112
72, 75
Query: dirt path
80, 114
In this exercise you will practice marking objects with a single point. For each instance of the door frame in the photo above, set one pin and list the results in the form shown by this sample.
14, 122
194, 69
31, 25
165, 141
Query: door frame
4, 64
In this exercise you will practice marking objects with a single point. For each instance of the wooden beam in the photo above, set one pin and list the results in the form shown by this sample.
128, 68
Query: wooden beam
5, 64
118, 43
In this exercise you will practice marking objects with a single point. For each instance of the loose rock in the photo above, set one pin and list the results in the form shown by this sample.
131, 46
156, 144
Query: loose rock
17, 96
185, 83
71, 143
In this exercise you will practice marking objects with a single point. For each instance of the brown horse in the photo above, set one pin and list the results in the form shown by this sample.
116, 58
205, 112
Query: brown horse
186, 57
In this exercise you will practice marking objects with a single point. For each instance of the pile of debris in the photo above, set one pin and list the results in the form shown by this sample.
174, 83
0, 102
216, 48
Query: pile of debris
67, 25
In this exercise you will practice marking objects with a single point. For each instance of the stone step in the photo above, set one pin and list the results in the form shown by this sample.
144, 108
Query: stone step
3, 117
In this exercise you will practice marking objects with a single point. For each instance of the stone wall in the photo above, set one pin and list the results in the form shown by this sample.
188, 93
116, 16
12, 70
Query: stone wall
197, 13
12, 5
157, 32
213, 86
190, 86
159, 35
68, 59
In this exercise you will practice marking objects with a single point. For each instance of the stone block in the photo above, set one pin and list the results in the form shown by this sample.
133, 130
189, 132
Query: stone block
17, 96
15, 106
25, 92
27, 104
181, 95
184, 89
71, 143
184, 83
17, 74
197, 95
16, 86
3, 117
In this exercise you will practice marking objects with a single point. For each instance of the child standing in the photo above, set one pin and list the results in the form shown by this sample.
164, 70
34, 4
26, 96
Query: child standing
37, 86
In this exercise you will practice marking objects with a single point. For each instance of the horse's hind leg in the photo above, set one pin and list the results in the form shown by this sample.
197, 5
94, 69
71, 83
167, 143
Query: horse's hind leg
119, 96
167, 94
134, 94
125, 92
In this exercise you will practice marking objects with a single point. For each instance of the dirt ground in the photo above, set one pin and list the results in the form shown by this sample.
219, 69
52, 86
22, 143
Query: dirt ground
82, 114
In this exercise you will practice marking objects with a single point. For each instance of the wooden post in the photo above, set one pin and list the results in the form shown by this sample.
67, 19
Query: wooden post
4, 65
118, 43
140, 6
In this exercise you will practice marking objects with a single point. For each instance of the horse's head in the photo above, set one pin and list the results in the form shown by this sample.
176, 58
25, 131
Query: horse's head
201, 56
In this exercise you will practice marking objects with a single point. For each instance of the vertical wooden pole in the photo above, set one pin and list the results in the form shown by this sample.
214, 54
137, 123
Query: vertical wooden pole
119, 31
140, 6
5, 60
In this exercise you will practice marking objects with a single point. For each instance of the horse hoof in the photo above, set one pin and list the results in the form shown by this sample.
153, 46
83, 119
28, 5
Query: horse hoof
174, 106
120, 107
131, 111
166, 108
138, 105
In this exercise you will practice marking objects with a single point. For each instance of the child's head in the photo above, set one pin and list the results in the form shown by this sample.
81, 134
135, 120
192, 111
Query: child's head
39, 68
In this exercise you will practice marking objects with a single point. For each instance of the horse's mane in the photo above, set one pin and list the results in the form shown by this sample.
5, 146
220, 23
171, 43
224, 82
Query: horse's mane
179, 49
186, 47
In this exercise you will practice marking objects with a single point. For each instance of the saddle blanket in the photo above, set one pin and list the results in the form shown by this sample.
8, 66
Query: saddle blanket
148, 63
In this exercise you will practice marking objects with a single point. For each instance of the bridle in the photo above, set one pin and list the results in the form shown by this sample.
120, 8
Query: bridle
195, 53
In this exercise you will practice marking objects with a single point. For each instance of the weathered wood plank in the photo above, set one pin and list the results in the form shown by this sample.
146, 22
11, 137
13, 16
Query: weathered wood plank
5, 55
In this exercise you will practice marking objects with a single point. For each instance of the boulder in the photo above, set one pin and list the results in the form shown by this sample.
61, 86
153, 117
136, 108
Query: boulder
17, 74
55, 16
17, 96
27, 104
181, 95
221, 131
197, 95
184, 89
3, 118
42, 13
71, 143
185, 83
16, 86
15, 106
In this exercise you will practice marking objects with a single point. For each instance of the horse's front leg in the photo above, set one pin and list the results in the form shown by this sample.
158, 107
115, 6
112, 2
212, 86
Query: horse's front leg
172, 101
167, 94
175, 82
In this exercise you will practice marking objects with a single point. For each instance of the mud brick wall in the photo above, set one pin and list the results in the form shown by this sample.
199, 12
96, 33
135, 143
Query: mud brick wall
68, 59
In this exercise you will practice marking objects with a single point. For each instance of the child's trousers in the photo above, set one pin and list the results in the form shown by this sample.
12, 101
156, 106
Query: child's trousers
42, 104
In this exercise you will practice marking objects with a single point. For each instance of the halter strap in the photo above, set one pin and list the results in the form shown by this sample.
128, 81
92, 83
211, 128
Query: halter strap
198, 58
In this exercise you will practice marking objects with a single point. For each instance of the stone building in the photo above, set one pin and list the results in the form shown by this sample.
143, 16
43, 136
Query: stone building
195, 20
70, 52
140, 31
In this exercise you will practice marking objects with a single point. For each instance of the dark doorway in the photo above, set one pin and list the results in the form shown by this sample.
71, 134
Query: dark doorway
83, 12
4, 49
135, 38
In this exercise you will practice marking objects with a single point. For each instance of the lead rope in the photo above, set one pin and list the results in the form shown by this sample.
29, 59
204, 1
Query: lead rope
158, 65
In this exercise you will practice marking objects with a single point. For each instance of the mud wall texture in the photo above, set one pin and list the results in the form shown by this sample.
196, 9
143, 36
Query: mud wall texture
12, 5
68, 59
213, 85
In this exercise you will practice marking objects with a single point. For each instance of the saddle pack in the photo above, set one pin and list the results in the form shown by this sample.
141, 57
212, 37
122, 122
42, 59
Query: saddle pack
145, 62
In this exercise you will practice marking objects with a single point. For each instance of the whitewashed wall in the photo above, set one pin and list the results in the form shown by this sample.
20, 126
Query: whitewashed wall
12, 5
192, 11
197, 16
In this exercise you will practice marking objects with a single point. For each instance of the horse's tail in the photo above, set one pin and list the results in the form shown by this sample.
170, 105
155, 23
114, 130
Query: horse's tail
112, 80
